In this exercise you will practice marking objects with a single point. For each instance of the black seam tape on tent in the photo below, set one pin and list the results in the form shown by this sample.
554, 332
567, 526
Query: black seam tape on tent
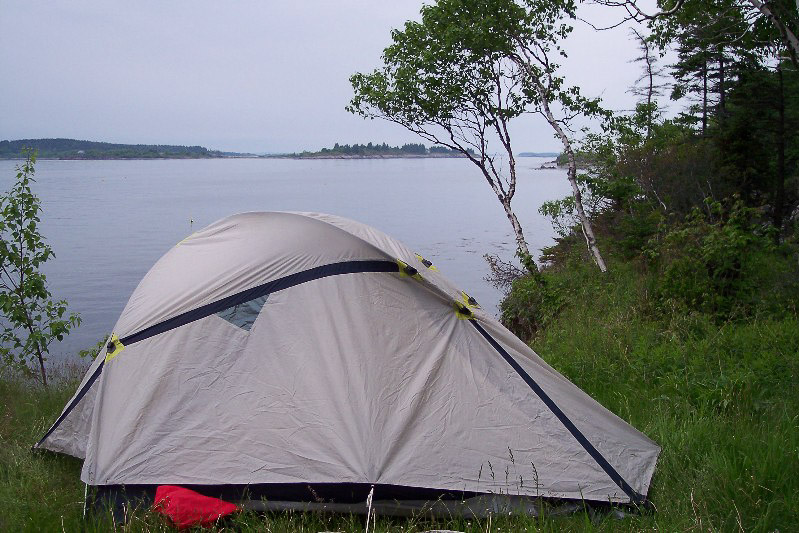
333, 269
345, 267
634, 496
78, 397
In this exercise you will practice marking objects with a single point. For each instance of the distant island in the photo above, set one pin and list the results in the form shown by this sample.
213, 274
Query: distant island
75, 149
538, 154
374, 151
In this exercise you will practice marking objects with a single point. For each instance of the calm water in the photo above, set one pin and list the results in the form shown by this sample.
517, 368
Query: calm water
109, 221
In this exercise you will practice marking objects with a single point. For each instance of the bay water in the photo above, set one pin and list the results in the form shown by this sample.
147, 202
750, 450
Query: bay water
110, 221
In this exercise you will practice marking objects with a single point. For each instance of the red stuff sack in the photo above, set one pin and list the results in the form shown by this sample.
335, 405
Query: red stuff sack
187, 508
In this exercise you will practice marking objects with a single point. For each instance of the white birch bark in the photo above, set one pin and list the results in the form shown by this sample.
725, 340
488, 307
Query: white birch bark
588, 231
791, 40
521, 243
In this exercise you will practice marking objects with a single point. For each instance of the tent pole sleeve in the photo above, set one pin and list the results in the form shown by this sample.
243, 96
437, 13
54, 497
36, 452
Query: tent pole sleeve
333, 269
634, 496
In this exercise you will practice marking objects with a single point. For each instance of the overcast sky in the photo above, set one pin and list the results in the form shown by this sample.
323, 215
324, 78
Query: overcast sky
259, 76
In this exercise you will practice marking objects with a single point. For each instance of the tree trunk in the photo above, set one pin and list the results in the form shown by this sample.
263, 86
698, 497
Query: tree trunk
588, 231
722, 89
779, 193
39, 354
789, 38
521, 243
41, 367
704, 97
650, 90
29, 326
505, 198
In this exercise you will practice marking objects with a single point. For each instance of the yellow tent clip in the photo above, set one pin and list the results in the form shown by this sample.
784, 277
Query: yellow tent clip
407, 271
426, 263
469, 301
113, 348
463, 311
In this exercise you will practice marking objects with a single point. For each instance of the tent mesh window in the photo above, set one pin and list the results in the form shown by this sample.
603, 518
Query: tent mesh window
244, 314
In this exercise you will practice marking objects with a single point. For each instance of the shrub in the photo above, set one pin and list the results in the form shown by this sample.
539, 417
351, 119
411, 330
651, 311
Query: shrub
32, 318
722, 262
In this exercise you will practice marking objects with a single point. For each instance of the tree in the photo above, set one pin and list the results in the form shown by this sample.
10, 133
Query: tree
784, 18
32, 319
547, 89
759, 152
714, 42
781, 16
730, 56
648, 86
461, 75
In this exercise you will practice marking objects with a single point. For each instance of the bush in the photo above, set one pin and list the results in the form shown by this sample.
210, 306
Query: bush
32, 318
529, 306
724, 263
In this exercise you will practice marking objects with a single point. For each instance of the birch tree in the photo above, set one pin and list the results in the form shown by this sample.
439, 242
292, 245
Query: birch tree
547, 89
461, 75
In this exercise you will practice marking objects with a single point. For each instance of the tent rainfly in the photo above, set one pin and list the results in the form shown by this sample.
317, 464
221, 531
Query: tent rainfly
308, 359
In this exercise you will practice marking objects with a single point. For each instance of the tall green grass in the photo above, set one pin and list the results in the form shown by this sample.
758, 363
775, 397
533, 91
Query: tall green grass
40, 491
37, 491
720, 397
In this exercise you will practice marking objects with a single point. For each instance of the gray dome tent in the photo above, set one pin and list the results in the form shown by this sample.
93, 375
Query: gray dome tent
294, 351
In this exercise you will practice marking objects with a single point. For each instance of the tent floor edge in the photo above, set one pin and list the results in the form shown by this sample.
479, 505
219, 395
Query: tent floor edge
117, 501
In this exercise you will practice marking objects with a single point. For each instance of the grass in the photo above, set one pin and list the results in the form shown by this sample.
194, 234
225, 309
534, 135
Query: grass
40, 491
719, 397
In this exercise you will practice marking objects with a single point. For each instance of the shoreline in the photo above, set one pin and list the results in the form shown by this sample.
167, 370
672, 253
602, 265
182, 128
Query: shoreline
280, 156
130, 158
362, 156
270, 156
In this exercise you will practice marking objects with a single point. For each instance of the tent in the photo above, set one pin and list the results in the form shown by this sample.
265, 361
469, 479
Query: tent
304, 357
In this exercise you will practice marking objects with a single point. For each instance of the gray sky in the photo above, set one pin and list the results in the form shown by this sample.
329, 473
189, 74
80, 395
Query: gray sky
260, 76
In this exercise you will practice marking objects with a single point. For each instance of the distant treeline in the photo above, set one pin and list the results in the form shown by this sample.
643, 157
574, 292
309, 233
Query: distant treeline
539, 154
74, 149
383, 149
